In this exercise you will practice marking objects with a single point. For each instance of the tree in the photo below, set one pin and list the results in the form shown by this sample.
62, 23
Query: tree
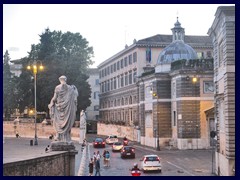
61, 54
9, 88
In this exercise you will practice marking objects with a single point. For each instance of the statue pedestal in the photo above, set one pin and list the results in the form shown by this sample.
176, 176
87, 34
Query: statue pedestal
82, 135
66, 146
62, 146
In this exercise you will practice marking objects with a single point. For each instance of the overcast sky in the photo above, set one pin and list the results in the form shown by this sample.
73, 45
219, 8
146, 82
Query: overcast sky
107, 28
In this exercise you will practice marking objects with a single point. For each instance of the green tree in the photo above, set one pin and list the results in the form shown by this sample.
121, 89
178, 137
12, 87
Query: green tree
9, 88
66, 54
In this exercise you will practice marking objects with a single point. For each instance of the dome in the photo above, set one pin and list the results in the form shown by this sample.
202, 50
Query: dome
175, 51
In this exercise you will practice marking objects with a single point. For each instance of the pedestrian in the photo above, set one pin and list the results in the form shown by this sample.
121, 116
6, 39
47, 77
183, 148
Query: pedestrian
98, 155
17, 135
94, 157
107, 159
104, 158
51, 137
97, 167
47, 149
90, 165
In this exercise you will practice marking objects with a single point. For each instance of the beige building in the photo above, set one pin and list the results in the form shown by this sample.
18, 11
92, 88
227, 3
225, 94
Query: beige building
92, 112
222, 33
128, 77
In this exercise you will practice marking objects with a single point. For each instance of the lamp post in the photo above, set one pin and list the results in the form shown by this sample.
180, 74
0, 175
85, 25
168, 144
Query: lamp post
155, 132
194, 81
158, 146
35, 67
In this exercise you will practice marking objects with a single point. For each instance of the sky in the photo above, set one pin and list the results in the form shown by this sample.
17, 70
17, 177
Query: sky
107, 27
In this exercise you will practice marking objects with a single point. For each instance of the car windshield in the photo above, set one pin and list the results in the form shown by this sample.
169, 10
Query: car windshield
128, 148
98, 140
118, 143
113, 137
153, 158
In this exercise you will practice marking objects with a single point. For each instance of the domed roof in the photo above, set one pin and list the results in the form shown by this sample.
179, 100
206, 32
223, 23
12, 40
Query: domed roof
175, 51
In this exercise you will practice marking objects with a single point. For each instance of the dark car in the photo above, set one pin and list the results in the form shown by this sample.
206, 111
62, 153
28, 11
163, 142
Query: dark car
127, 151
99, 142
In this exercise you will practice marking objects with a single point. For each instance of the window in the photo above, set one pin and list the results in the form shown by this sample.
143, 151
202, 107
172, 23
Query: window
96, 81
95, 95
208, 87
118, 65
114, 67
96, 108
125, 61
115, 83
130, 59
148, 55
111, 84
126, 79
134, 76
130, 77
135, 57
209, 54
122, 81
121, 63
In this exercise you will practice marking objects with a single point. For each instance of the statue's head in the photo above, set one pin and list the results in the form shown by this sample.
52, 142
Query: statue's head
63, 79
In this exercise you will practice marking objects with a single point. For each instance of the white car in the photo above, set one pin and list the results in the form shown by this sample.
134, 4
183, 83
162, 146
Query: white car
151, 163
111, 139
117, 146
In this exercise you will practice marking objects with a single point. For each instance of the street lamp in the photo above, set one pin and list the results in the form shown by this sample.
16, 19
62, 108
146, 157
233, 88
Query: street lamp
194, 81
34, 66
155, 95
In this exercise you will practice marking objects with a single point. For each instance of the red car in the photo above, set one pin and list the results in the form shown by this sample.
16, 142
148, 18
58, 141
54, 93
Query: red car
99, 142
127, 151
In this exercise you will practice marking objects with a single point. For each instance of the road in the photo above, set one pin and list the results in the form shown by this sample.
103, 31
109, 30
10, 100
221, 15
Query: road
174, 162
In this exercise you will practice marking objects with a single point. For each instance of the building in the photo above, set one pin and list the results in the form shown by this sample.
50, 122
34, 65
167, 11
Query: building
92, 112
128, 78
16, 67
222, 33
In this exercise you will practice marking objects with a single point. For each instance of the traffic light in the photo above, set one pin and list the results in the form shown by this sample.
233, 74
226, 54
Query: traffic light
155, 94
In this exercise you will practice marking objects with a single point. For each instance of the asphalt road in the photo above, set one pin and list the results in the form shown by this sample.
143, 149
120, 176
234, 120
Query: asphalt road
174, 162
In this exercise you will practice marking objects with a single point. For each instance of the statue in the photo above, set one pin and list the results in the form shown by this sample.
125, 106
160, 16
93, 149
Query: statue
62, 109
82, 126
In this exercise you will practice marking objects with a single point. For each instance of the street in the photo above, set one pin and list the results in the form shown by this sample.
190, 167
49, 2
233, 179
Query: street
174, 162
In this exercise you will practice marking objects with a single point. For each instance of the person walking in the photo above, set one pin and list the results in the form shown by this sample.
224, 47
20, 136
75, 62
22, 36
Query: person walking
104, 158
107, 158
90, 165
97, 167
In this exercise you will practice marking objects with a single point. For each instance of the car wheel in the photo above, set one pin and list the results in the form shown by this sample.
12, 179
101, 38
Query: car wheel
160, 171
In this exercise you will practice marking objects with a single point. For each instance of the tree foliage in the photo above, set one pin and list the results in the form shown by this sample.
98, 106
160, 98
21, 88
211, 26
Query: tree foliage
10, 91
60, 53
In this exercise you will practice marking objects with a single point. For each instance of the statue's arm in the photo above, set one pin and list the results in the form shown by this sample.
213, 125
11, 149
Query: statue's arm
54, 99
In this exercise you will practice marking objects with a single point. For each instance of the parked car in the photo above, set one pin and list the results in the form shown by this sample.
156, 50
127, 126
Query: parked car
111, 139
117, 146
127, 151
151, 163
98, 142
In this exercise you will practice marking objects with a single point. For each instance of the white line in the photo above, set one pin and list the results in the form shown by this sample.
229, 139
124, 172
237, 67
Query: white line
180, 168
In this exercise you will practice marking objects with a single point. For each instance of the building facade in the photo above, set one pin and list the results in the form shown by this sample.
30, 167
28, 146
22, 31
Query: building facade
128, 77
92, 112
222, 33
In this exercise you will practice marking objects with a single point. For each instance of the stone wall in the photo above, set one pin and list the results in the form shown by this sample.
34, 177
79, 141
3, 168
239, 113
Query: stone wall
56, 164
120, 131
27, 129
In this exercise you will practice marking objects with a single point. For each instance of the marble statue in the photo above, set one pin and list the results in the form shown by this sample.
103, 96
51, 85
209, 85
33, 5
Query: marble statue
82, 126
62, 109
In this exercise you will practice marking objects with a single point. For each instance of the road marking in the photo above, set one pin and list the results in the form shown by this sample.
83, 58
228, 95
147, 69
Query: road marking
180, 168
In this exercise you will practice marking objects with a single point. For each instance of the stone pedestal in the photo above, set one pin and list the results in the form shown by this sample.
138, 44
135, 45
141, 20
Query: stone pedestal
82, 134
62, 146
66, 146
